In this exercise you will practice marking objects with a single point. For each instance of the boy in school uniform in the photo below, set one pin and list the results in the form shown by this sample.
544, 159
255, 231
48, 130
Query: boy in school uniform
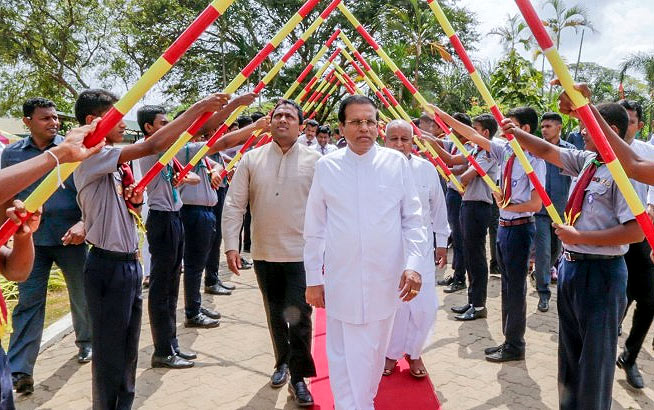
112, 274
518, 201
593, 275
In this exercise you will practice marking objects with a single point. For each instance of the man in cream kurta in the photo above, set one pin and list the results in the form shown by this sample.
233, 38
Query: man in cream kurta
414, 320
363, 225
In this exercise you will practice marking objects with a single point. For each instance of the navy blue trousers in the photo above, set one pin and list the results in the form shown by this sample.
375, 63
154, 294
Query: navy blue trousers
474, 223
453, 202
6, 395
199, 232
591, 301
213, 259
113, 292
166, 240
513, 247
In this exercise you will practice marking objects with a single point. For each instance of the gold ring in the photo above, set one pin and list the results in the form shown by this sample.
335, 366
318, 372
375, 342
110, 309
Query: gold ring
414, 292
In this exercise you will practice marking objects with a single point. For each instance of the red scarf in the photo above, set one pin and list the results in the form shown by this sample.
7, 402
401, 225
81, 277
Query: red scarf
506, 181
576, 200
127, 179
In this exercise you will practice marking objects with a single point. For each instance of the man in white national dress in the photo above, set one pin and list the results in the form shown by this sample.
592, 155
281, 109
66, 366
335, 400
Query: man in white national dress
363, 224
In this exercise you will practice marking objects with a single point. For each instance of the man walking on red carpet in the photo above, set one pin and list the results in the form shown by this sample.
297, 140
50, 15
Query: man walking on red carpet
363, 225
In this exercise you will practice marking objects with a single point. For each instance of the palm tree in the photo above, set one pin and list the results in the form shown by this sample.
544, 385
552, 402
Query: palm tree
644, 63
416, 24
575, 17
511, 33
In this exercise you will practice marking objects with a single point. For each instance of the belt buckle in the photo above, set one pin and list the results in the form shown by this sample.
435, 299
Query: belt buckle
567, 256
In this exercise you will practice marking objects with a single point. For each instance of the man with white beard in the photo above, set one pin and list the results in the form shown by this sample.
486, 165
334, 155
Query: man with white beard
414, 320
363, 225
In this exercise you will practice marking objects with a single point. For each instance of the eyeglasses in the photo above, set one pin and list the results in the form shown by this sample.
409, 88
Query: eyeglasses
362, 123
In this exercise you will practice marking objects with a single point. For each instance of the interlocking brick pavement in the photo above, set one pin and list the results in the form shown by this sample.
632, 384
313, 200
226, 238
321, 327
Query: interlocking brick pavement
235, 360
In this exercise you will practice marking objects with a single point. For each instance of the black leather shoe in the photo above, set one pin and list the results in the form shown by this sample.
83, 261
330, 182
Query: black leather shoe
634, 378
447, 281
280, 376
544, 303
491, 350
472, 314
505, 354
226, 286
186, 355
494, 270
171, 362
23, 383
201, 321
217, 290
460, 309
455, 287
300, 393
210, 313
85, 354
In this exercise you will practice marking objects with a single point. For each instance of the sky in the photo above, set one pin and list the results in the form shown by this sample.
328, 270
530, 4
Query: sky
623, 27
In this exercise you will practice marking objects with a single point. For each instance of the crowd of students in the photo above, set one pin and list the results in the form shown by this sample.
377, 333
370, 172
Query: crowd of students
276, 209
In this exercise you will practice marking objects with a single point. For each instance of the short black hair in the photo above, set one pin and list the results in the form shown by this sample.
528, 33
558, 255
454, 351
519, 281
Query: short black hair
525, 116
354, 99
284, 101
487, 122
463, 118
324, 129
551, 116
616, 115
32, 104
257, 115
426, 117
93, 102
244, 120
416, 122
147, 114
631, 105
312, 123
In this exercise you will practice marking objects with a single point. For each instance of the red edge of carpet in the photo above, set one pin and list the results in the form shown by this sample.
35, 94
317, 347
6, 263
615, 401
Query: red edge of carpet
398, 385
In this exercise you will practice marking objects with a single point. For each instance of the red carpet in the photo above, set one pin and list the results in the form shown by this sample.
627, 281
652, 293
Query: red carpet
393, 390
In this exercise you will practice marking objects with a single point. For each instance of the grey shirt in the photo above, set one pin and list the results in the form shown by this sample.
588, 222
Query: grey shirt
201, 194
162, 196
108, 223
604, 206
477, 189
521, 186
452, 149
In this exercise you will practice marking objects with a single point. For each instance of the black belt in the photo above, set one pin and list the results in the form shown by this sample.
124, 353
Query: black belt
517, 221
114, 256
202, 207
576, 256
156, 211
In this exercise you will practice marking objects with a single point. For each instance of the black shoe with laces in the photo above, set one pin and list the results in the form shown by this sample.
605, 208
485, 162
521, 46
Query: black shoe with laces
460, 309
455, 287
634, 378
202, 321
505, 354
447, 281
301, 394
23, 383
491, 350
280, 376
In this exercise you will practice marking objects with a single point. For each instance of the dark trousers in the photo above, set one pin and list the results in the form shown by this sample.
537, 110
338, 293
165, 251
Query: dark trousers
6, 386
453, 203
474, 223
245, 241
199, 232
213, 258
640, 288
29, 314
113, 290
166, 241
591, 301
283, 286
493, 224
547, 248
513, 247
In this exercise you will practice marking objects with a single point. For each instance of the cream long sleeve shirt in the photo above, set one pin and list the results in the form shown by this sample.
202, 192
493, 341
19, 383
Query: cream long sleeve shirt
363, 223
276, 186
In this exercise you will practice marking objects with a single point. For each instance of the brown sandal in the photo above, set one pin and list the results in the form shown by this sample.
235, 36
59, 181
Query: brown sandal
420, 373
387, 371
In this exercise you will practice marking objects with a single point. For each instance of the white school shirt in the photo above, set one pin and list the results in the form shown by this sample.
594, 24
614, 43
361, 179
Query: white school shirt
363, 223
434, 212
645, 151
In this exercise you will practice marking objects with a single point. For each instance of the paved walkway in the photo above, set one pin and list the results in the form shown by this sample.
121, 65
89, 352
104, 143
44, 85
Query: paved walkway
235, 360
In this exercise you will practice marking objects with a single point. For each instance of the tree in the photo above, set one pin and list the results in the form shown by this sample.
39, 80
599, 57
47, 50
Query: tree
644, 63
515, 82
50, 49
513, 33
575, 17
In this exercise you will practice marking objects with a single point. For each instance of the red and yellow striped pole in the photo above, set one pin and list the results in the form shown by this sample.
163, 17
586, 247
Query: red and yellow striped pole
274, 43
416, 94
160, 67
312, 63
433, 155
303, 94
490, 101
331, 91
587, 117
326, 82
